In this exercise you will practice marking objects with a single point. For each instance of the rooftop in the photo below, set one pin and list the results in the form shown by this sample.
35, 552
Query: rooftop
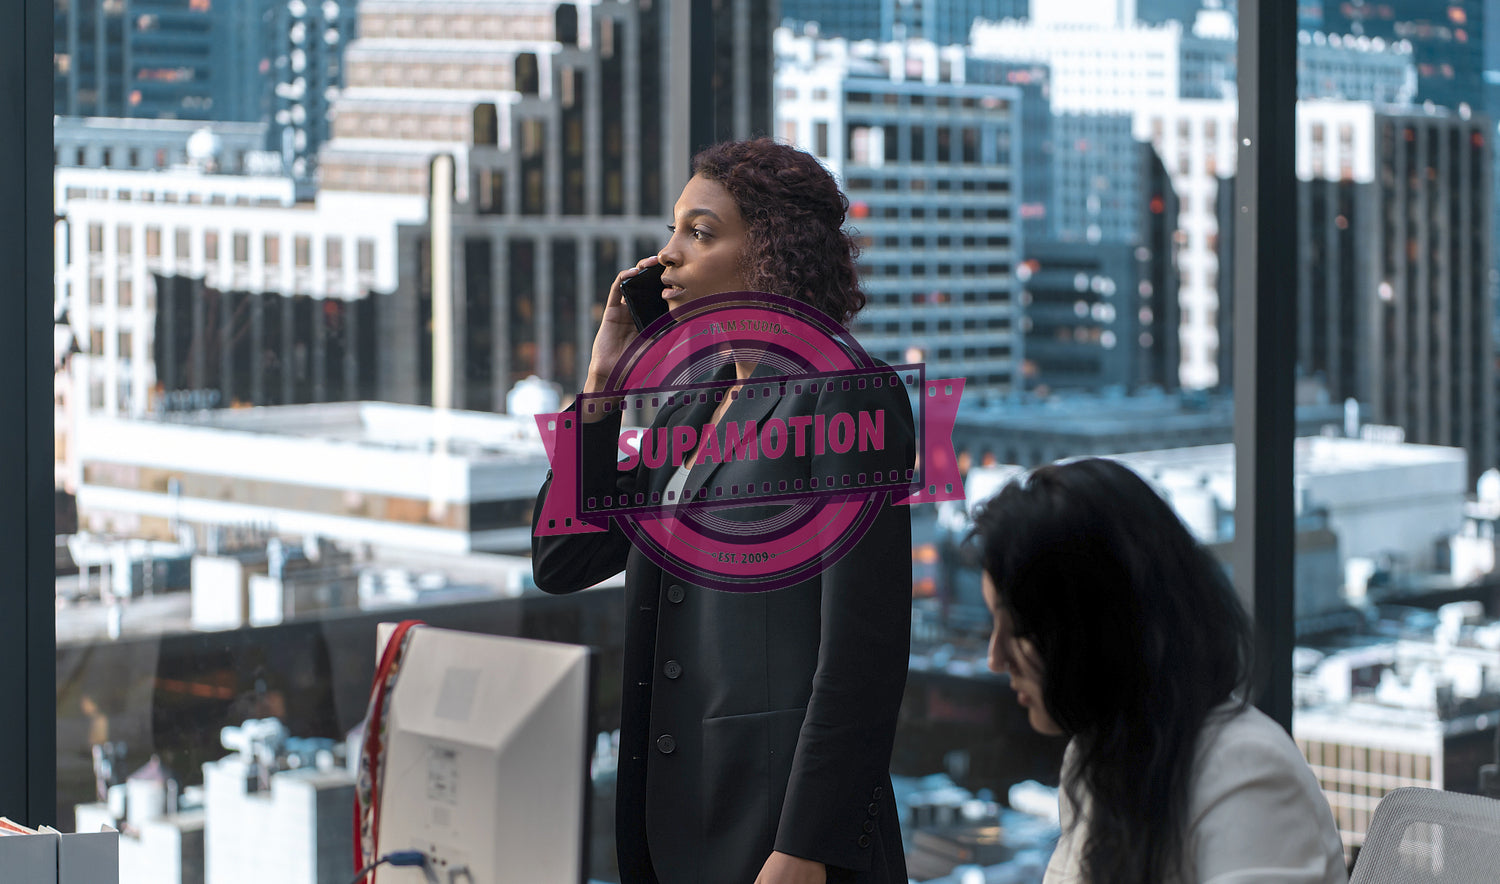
1110, 415
382, 425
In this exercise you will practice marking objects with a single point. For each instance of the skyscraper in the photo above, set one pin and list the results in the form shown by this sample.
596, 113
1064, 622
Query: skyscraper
561, 126
1394, 283
930, 160
1447, 41
943, 22
271, 61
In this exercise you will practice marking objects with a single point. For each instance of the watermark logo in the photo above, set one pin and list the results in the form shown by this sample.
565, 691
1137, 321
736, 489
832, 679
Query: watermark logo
794, 472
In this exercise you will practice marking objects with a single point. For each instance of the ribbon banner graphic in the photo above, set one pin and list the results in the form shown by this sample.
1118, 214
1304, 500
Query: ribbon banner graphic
799, 527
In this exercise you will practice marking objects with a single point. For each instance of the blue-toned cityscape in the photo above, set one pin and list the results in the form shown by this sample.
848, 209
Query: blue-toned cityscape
295, 375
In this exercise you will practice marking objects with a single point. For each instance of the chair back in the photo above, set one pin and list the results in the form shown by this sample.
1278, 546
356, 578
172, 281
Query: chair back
1419, 836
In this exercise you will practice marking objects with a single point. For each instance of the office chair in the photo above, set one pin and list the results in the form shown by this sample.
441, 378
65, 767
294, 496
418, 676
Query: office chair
1425, 836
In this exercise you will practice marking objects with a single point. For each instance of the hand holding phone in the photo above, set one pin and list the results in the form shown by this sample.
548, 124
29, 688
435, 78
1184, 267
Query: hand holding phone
642, 295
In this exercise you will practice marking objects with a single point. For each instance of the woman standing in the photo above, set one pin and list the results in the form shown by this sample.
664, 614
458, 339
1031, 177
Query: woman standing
1121, 632
756, 727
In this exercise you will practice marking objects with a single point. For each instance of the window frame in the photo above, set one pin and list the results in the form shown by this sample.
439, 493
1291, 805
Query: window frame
1263, 407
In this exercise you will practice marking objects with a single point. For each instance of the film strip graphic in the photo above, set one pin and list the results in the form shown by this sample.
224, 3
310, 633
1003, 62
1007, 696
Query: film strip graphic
852, 436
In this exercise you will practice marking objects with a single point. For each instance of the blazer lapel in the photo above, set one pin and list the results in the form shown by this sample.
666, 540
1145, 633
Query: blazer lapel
751, 405
682, 414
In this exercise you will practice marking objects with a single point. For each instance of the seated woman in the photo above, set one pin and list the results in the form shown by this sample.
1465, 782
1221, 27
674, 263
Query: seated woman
1121, 632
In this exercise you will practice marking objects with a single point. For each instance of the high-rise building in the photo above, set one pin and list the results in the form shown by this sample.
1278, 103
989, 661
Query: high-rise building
1177, 85
125, 143
184, 280
559, 121
943, 22
1096, 178
1447, 41
1081, 322
1355, 68
270, 61
930, 161
1102, 313
1395, 295
1196, 142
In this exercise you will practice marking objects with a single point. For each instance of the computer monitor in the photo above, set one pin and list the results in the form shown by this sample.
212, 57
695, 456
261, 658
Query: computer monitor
487, 760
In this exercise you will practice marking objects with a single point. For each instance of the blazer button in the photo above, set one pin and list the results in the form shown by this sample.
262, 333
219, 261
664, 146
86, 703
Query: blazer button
873, 808
672, 669
869, 826
864, 840
666, 744
675, 594
879, 792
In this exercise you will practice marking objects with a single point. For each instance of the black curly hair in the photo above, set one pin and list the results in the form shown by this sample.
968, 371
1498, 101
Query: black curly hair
797, 245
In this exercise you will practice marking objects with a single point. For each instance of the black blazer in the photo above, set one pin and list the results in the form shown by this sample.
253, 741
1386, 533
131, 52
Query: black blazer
755, 721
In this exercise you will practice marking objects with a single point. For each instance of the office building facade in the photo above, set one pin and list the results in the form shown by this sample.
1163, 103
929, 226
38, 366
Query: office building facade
565, 171
1447, 41
129, 143
943, 22
266, 61
931, 164
1081, 321
1395, 296
184, 289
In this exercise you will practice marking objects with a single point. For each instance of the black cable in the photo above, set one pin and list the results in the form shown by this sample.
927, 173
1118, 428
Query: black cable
360, 876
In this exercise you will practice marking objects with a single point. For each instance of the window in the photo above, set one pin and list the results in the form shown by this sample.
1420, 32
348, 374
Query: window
320, 369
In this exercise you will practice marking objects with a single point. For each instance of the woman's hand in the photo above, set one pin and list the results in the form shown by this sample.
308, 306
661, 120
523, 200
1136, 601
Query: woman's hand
783, 868
615, 332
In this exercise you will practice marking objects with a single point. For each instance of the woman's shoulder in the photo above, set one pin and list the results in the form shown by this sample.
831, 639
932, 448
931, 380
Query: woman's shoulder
1243, 753
1256, 811
1232, 729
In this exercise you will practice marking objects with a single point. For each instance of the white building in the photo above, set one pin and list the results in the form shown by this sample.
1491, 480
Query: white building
1381, 498
356, 473
1197, 141
1419, 709
294, 832
119, 230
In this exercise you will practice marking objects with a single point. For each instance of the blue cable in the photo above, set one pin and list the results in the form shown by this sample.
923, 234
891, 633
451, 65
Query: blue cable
395, 858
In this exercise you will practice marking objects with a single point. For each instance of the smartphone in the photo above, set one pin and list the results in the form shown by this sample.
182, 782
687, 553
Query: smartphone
642, 294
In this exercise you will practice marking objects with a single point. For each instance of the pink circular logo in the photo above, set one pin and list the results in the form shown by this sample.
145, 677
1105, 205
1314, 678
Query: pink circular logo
788, 480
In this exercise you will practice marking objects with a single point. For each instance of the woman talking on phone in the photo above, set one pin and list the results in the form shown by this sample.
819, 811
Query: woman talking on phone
1121, 632
757, 727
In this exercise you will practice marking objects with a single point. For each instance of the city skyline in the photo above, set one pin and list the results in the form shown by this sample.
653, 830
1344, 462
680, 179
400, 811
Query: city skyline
1048, 211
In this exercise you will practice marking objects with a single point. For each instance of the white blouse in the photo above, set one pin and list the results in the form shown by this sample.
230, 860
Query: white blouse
1255, 812
679, 479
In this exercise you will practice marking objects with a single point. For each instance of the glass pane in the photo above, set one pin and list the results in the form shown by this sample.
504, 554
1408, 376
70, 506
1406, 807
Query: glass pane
1397, 495
256, 327
250, 469
1041, 200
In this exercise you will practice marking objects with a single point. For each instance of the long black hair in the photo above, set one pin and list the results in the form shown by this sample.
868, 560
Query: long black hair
1140, 636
